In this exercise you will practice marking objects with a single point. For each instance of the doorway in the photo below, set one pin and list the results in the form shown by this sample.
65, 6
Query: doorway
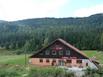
61, 63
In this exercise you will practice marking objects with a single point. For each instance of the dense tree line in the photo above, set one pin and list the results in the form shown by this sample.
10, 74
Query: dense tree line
33, 34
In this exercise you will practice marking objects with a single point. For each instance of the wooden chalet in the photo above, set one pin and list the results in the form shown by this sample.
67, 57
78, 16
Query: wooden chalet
61, 53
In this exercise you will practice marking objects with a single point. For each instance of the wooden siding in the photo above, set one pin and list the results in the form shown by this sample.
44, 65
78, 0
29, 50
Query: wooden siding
48, 53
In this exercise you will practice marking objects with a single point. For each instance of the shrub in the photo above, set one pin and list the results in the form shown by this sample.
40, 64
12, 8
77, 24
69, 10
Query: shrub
49, 72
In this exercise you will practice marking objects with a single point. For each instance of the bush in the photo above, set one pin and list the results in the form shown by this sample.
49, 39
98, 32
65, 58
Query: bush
11, 71
49, 72
94, 72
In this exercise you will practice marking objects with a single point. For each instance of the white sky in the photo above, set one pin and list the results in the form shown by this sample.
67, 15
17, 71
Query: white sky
11, 10
88, 11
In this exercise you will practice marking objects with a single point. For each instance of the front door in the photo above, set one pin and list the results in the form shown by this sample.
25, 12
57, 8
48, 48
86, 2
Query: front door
61, 63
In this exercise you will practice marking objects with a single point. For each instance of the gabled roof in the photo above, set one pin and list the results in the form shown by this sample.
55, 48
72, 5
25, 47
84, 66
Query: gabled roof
65, 43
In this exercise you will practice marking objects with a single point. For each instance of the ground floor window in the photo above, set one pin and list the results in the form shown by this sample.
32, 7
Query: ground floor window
54, 60
69, 61
86, 64
47, 60
41, 60
79, 61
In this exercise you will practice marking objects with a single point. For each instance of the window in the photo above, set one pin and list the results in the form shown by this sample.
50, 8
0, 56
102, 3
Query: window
61, 52
69, 61
67, 52
86, 64
47, 60
53, 52
47, 52
79, 61
41, 60
41, 53
54, 60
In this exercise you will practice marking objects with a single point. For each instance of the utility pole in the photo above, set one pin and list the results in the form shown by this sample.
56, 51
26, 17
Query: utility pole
25, 56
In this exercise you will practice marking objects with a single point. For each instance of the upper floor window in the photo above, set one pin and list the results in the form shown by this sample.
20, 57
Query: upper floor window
41, 53
61, 52
47, 52
67, 52
54, 52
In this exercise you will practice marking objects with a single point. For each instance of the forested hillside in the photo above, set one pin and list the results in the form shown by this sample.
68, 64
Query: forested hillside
32, 34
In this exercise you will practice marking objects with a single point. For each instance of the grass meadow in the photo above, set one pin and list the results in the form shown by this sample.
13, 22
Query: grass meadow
9, 57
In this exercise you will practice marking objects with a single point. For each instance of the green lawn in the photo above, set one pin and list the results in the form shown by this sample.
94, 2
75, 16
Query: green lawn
9, 57
12, 59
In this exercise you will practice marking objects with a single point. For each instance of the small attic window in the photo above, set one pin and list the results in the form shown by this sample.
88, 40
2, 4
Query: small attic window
61, 52
53, 52
47, 52
67, 52
41, 53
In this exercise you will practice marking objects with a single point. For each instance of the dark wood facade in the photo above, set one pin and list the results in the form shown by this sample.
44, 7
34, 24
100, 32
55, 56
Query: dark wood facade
58, 49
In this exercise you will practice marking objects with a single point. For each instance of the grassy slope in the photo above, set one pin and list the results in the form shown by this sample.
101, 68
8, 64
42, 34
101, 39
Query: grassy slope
98, 55
90, 53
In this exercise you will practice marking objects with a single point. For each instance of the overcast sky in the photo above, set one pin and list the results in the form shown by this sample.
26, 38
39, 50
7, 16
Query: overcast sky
12, 10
